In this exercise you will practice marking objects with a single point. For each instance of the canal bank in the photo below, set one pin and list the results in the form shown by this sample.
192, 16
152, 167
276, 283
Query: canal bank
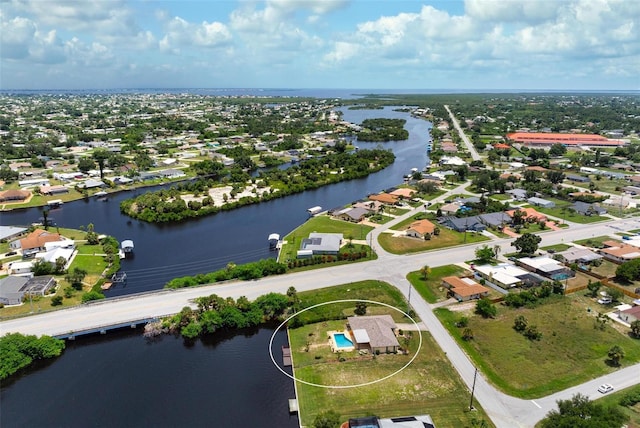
166, 251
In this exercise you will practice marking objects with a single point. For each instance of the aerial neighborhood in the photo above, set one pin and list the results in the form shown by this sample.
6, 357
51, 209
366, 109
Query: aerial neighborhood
520, 236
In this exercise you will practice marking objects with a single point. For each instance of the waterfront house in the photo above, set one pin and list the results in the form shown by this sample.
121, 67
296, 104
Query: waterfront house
375, 333
14, 195
385, 198
351, 214
54, 190
35, 241
10, 232
403, 193
417, 421
321, 243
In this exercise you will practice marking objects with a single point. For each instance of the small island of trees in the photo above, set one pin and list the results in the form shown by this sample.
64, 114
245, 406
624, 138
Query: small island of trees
193, 199
383, 130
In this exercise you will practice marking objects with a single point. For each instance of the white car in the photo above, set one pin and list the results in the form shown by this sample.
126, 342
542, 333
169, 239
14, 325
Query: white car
605, 388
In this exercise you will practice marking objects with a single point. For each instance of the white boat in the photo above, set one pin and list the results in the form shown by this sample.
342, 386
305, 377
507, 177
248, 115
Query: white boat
274, 238
55, 203
314, 210
127, 246
100, 193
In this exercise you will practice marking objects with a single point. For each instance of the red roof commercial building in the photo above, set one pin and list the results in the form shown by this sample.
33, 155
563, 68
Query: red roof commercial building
548, 139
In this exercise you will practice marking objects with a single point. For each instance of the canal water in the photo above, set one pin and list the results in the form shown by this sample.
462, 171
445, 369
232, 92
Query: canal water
125, 380
122, 379
166, 251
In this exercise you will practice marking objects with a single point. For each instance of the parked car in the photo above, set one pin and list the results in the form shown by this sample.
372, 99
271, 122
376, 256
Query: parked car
604, 388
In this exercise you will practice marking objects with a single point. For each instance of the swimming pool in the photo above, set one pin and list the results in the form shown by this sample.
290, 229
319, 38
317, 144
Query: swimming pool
342, 341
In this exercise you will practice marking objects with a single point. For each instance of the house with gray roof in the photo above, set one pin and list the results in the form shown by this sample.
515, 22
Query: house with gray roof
539, 202
473, 223
578, 255
497, 220
518, 194
377, 333
10, 232
321, 243
577, 178
585, 208
10, 287
352, 214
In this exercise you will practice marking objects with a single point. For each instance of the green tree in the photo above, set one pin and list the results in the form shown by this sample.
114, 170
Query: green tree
594, 287
91, 236
361, 308
579, 412
191, 330
56, 300
467, 334
41, 267
615, 354
60, 264
327, 419
527, 243
92, 295
484, 254
485, 308
635, 329
425, 271
75, 277
101, 156
520, 323
86, 164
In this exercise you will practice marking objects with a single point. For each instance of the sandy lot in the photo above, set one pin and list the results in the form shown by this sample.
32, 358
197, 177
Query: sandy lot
218, 192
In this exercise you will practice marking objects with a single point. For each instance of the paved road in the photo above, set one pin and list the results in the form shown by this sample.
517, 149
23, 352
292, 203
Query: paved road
504, 411
472, 150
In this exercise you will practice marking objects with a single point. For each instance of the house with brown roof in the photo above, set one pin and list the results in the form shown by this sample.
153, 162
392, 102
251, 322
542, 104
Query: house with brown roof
463, 289
530, 214
54, 190
376, 333
35, 241
536, 168
385, 198
619, 252
14, 195
403, 192
501, 146
422, 229
630, 315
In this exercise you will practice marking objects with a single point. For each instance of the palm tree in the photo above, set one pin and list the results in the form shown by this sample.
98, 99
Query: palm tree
425, 271
616, 353
496, 250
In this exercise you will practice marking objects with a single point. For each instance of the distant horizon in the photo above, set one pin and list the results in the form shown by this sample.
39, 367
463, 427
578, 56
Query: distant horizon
363, 91
554, 45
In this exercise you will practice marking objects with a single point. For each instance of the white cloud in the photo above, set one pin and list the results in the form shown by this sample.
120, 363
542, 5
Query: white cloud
184, 34
17, 35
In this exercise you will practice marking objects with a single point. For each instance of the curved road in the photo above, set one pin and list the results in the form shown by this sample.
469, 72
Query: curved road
505, 411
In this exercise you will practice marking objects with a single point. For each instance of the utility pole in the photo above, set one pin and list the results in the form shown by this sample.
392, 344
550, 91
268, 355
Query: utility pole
473, 388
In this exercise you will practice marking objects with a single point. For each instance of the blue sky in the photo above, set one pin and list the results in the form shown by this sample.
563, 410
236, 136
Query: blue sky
370, 44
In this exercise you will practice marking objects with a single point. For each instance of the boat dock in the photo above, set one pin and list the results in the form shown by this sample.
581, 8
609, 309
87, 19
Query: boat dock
54, 203
286, 356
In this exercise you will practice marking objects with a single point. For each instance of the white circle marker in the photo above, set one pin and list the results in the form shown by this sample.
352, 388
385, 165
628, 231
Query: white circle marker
344, 386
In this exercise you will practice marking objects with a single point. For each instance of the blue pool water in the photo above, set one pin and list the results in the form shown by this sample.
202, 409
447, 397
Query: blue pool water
561, 276
342, 341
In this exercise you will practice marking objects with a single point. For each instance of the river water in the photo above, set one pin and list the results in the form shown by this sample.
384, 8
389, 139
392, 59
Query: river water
166, 251
123, 380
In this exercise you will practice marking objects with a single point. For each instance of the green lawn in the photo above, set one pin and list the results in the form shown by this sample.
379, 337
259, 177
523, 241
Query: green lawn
431, 289
557, 248
428, 385
561, 211
324, 224
595, 242
446, 238
501, 196
570, 352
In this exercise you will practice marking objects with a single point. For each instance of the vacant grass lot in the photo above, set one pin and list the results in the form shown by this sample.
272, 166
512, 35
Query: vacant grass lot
322, 224
431, 289
429, 385
596, 242
571, 350
562, 211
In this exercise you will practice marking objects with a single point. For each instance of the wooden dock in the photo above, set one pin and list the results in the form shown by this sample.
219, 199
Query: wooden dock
286, 356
